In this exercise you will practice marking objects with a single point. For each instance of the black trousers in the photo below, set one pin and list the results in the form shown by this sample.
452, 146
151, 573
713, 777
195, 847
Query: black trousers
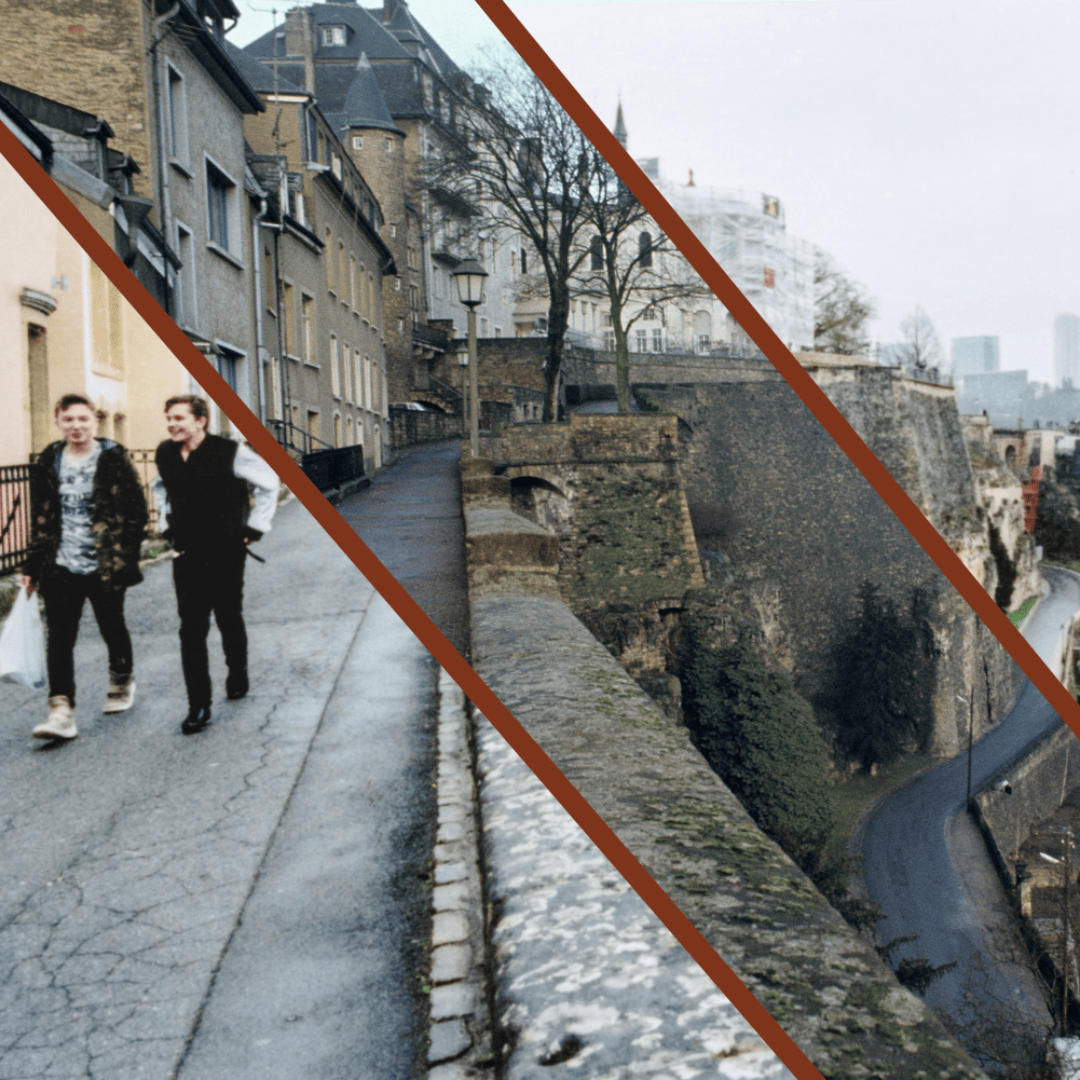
65, 594
210, 582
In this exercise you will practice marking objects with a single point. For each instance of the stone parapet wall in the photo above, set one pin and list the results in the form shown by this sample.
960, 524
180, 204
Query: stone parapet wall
560, 917
408, 427
586, 439
1038, 783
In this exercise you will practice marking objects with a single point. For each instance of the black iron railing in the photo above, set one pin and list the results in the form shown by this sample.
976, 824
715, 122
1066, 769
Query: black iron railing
328, 469
14, 515
15, 505
293, 437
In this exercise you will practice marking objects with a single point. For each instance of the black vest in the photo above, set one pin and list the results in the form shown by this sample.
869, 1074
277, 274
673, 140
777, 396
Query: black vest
208, 503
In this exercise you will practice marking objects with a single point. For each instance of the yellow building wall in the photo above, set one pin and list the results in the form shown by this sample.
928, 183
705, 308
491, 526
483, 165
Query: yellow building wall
91, 342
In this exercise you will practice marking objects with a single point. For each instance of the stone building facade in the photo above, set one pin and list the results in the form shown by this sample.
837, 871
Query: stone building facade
322, 261
394, 96
160, 75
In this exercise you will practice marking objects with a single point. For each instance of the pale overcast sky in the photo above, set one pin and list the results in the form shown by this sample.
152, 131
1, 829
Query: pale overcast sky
931, 146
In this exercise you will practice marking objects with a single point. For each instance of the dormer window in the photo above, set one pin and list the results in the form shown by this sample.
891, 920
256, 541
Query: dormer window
333, 35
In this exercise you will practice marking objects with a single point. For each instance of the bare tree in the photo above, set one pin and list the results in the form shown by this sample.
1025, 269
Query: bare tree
919, 347
842, 310
526, 168
631, 266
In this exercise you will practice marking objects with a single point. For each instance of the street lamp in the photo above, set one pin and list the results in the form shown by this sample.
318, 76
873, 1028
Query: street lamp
971, 739
463, 363
470, 285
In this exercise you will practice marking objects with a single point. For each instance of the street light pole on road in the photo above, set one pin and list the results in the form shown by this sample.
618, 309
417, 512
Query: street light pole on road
470, 284
971, 740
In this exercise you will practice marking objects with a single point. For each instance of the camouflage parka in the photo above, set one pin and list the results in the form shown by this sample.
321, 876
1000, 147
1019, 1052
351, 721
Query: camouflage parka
118, 516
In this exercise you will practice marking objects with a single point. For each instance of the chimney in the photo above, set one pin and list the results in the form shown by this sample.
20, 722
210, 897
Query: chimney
300, 41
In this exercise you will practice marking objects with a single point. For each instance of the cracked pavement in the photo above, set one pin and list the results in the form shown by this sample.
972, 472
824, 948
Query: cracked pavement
249, 901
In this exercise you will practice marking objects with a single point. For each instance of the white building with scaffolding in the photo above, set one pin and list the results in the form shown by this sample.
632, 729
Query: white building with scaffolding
746, 233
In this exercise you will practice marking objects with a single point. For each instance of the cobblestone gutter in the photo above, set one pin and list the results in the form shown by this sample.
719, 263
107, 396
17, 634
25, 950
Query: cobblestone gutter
584, 974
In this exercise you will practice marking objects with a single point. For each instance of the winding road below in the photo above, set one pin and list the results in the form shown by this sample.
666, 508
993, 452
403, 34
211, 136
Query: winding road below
925, 863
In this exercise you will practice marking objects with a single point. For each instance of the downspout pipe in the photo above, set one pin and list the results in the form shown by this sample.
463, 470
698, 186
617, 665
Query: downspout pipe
257, 260
162, 170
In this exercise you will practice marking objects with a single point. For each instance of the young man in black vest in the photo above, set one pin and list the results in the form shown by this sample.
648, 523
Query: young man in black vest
202, 494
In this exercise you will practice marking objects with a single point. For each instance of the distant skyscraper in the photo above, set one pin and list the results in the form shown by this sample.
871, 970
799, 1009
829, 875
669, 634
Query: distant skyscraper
1067, 350
975, 356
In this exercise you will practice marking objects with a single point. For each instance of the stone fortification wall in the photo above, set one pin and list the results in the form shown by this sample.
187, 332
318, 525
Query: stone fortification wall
584, 371
608, 488
771, 493
1001, 503
566, 988
913, 429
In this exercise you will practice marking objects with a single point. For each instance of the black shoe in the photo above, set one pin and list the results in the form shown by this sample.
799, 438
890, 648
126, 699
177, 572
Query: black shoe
236, 685
197, 720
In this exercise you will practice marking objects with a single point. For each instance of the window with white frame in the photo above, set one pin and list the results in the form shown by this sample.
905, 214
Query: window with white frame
221, 206
358, 384
346, 389
335, 374
333, 35
307, 327
641, 339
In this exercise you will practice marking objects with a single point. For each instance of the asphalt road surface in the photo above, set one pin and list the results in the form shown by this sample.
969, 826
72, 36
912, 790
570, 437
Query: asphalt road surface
411, 519
248, 902
926, 864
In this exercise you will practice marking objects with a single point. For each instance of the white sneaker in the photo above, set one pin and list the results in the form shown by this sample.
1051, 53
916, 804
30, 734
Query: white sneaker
121, 694
60, 723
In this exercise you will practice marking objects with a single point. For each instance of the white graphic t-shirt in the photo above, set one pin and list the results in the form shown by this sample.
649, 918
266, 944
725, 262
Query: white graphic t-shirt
77, 550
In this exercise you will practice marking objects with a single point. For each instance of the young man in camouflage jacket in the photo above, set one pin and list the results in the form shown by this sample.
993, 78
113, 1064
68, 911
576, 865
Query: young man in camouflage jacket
88, 518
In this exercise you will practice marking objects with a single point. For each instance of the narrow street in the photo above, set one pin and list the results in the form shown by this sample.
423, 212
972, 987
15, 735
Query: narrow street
410, 517
251, 901
926, 862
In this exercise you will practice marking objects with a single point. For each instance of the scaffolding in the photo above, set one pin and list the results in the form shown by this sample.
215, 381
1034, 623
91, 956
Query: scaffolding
746, 233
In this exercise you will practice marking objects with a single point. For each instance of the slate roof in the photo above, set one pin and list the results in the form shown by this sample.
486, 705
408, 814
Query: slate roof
445, 64
364, 34
364, 105
383, 82
261, 76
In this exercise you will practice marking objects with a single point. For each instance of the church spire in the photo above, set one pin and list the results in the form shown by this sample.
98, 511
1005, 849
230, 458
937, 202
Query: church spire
620, 126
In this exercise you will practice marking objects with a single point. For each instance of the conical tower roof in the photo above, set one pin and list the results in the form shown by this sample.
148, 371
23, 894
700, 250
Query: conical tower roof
364, 104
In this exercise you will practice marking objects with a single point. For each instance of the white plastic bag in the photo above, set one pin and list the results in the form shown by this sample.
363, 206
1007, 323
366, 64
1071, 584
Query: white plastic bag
22, 644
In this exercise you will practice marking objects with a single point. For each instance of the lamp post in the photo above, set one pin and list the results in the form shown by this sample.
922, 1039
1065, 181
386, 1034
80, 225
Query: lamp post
971, 739
470, 285
463, 363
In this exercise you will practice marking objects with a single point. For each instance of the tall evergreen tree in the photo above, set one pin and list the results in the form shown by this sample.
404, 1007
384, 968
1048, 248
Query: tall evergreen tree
762, 740
883, 676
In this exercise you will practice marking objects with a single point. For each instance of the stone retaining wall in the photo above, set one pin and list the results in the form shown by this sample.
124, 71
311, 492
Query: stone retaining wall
1038, 784
562, 924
